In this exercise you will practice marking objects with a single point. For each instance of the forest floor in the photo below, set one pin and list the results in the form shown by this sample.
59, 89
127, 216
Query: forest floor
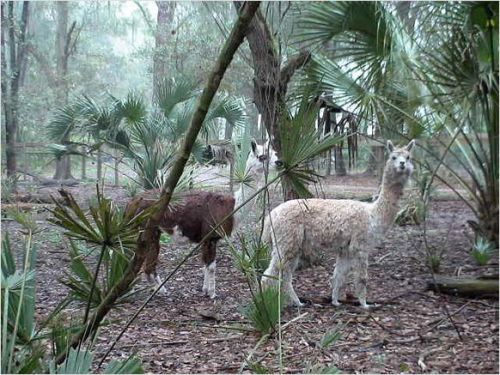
406, 331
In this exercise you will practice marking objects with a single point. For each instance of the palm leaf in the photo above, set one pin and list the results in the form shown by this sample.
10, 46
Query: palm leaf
299, 144
172, 91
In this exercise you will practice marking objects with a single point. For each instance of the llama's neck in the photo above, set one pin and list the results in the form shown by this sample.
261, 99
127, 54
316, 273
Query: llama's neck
387, 204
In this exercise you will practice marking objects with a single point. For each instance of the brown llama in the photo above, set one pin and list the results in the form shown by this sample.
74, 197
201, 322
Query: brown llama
197, 213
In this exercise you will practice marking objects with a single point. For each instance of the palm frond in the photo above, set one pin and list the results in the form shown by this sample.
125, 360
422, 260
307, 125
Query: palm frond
62, 124
229, 108
174, 91
299, 144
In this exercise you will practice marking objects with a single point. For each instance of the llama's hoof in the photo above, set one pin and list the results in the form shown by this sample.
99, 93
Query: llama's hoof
365, 306
336, 303
162, 291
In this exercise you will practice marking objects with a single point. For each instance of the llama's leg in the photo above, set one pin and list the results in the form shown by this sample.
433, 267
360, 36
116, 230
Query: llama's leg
288, 270
208, 256
338, 279
271, 274
152, 240
360, 268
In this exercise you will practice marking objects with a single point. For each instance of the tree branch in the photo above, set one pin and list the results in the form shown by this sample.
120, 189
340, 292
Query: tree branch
295, 63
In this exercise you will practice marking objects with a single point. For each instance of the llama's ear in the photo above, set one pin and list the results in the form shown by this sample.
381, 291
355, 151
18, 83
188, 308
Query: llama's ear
390, 146
410, 145
254, 146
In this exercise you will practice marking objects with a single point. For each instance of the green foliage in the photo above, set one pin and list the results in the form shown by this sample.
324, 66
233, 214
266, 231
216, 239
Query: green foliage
299, 143
132, 188
105, 227
328, 339
265, 308
81, 279
483, 250
413, 213
80, 362
252, 259
165, 239
434, 261
23, 347
102, 225
8, 187
19, 352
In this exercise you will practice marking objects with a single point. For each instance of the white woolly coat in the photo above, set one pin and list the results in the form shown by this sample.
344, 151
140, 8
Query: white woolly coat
311, 225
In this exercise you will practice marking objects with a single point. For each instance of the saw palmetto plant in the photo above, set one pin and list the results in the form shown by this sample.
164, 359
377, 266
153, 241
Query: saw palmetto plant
378, 66
25, 341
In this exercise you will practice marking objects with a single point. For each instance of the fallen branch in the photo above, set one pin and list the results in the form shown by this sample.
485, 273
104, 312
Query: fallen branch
283, 327
469, 287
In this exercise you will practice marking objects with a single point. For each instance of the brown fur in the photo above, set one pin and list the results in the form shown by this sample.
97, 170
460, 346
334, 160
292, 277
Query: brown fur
197, 213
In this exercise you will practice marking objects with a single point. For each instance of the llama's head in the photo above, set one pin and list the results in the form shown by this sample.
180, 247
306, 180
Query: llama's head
399, 165
262, 158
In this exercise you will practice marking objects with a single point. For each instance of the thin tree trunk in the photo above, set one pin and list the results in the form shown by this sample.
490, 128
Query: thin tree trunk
118, 160
11, 77
84, 167
228, 131
62, 44
229, 49
99, 165
164, 18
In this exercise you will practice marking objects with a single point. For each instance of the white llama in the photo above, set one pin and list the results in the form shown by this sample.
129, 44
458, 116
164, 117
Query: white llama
347, 227
261, 159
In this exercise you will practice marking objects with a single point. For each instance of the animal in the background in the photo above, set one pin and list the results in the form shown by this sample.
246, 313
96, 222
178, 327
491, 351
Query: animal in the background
197, 213
261, 159
195, 216
219, 154
348, 228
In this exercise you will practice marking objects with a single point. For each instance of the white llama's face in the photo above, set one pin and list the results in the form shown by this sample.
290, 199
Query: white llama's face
400, 158
262, 158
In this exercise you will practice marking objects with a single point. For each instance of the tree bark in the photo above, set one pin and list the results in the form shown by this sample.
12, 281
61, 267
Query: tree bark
164, 18
470, 287
11, 77
229, 49
62, 45
271, 81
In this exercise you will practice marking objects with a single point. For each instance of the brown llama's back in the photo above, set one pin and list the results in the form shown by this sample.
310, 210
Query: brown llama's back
199, 212
195, 215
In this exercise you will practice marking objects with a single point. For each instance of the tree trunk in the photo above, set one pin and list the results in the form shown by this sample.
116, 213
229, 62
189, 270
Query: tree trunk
84, 167
327, 130
63, 169
62, 45
229, 49
228, 131
99, 165
271, 82
11, 77
165, 16
339, 160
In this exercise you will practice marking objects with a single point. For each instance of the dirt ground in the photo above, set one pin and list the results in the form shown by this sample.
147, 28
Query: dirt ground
407, 330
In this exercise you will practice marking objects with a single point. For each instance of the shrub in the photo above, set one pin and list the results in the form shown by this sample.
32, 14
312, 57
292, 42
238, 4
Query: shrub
482, 250
264, 309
